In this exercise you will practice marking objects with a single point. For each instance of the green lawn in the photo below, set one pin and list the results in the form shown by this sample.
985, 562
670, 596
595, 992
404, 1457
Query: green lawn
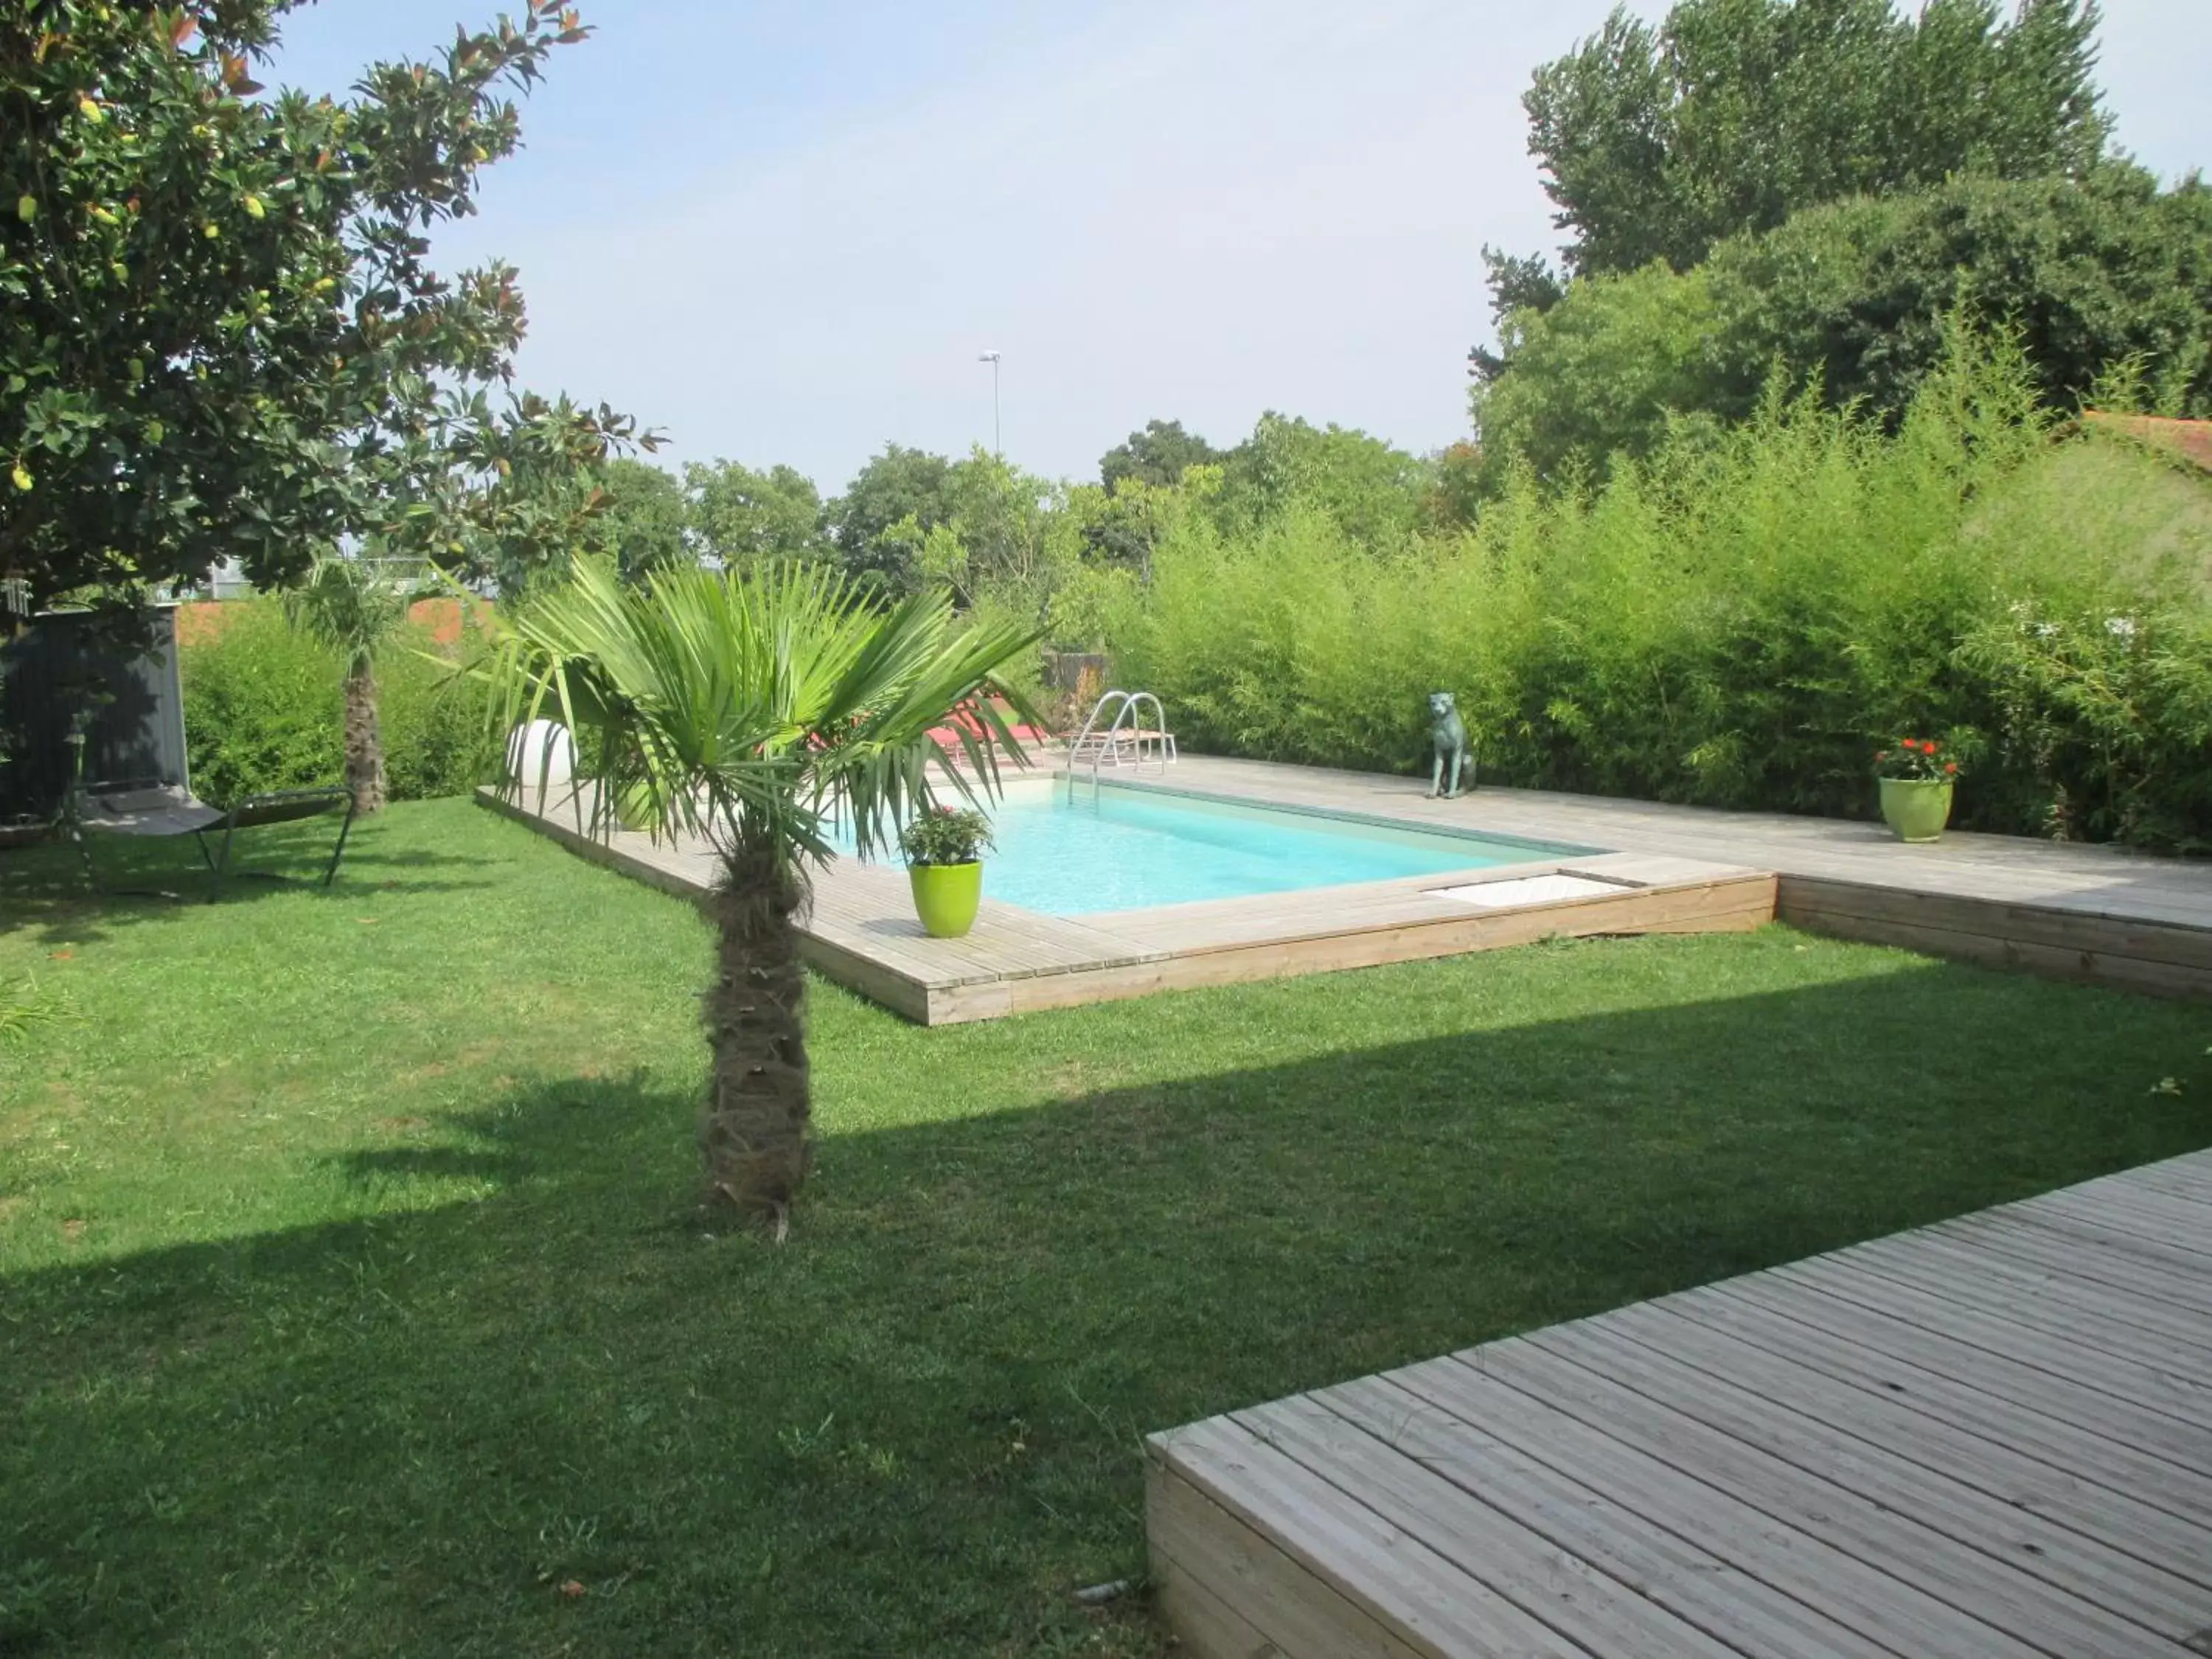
353, 1299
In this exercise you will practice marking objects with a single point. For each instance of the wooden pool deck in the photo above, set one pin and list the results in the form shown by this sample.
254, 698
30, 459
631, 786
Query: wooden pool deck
861, 930
2086, 912
1992, 1437
2098, 913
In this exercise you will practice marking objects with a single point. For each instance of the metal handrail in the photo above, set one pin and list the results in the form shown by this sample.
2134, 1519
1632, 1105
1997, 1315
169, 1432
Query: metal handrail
1102, 747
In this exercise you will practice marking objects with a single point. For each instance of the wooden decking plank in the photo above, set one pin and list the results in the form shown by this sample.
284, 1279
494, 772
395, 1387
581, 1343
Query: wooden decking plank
2062, 923
2005, 1376
2021, 1241
2141, 975
1217, 1574
1686, 1504
994, 950
876, 954
1223, 965
1207, 1627
1560, 1589
1981, 1275
2176, 1224
879, 952
1987, 1437
1653, 869
2126, 1286
1892, 1539
2151, 1382
2082, 1447
2181, 1177
1070, 934
2180, 1183
1462, 927
2088, 1228
2126, 1186
1712, 1593
2195, 1166
1417, 1593
2090, 1543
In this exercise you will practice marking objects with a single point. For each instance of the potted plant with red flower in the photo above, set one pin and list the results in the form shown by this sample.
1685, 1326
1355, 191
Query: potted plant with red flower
943, 850
1917, 776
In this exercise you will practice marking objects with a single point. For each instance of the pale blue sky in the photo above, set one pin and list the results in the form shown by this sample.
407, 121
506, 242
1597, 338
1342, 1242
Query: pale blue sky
783, 232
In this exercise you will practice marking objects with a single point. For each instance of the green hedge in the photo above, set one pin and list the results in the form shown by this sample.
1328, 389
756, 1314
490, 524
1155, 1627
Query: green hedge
1741, 624
263, 706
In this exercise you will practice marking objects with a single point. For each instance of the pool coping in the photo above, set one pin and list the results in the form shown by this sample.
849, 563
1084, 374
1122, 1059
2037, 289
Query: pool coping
861, 929
1159, 786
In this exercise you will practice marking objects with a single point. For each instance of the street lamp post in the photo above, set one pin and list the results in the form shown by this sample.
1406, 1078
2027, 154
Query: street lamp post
997, 448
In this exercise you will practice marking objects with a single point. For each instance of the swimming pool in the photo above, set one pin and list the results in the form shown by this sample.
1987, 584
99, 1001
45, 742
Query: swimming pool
1127, 849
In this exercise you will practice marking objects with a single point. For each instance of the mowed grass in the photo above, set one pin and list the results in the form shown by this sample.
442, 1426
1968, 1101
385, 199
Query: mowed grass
355, 1297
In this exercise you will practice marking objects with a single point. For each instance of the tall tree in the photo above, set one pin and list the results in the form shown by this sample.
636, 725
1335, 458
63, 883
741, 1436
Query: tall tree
1733, 114
2091, 274
219, 334
1518, 282
356, 607
1374, 489
1158, 456
756, 711
642, 517
2092, 277
502, 498
1601, 375
897, 486
749, 519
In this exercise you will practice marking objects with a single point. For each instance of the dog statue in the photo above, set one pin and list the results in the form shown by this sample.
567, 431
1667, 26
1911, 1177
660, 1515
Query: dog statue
1448, 740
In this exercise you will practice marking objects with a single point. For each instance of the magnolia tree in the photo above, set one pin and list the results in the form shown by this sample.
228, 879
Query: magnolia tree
220, 333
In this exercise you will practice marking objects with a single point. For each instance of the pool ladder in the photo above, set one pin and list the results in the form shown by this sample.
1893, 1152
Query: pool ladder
1125, 740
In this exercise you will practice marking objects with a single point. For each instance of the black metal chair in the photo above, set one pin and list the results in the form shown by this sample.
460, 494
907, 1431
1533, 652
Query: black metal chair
167, 811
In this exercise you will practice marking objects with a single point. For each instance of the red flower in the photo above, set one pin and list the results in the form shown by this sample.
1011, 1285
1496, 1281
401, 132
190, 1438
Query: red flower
1950, 766
1931, 745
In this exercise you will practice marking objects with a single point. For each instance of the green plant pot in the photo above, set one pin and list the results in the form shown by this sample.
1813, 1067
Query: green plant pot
630, 811
1917, 809
946, 896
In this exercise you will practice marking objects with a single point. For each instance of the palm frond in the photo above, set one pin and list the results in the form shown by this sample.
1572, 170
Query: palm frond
356, 606
756, 710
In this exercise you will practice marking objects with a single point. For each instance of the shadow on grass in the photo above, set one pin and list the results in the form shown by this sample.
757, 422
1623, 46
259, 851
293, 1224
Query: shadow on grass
916, 1426
143, 880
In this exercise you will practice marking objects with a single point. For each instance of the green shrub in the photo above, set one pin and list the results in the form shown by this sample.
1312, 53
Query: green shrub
436, 736
1742, 619
263, 709
262, 706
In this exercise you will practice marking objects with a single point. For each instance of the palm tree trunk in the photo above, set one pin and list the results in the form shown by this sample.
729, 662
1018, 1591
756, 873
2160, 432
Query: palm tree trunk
759, 1104
364, 742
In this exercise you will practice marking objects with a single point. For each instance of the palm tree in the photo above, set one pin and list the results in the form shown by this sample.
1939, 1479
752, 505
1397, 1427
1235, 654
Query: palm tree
356, 607
755, 711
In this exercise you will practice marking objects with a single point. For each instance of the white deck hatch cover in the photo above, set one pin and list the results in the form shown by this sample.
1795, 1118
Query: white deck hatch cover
1529, 890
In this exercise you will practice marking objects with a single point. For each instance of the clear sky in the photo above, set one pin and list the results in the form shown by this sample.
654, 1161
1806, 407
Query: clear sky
783, 232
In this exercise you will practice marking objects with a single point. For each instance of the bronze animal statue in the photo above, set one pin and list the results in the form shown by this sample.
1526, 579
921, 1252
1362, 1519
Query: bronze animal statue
1449, 747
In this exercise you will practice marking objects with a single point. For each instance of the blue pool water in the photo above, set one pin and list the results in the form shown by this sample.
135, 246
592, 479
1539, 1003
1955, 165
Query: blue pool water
1123, 849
